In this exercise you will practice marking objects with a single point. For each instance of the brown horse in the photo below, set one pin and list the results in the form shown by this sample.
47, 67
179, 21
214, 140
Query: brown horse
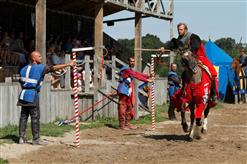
195, 95
240, 82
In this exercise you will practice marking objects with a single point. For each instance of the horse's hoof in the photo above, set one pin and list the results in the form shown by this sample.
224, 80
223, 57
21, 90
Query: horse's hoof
190, 139
198, 137
185, 127
191, 135
204, 131
197, 132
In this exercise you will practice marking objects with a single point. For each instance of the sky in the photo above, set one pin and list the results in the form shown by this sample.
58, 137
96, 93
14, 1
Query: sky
212, 19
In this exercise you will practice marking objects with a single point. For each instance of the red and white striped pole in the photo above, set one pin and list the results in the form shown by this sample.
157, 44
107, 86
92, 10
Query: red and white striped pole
152, 94
75, 89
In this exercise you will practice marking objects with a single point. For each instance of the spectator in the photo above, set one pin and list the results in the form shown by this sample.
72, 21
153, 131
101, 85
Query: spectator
173, 82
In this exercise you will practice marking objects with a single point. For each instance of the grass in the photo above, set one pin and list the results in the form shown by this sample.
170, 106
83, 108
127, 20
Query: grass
219, 106
9, 134
3, 161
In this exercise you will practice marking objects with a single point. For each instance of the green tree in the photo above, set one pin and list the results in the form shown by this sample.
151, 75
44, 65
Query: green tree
148, 41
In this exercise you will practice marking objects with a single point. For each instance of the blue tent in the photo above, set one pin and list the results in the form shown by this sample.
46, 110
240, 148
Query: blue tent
221, 59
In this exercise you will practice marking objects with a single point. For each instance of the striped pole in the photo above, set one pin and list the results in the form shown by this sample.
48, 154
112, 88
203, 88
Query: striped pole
152, 94
75, 89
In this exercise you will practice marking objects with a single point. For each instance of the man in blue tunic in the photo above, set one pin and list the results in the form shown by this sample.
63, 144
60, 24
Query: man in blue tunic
31, 77
173, 82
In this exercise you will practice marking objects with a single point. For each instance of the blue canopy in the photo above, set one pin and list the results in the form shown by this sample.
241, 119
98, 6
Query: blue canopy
221, 59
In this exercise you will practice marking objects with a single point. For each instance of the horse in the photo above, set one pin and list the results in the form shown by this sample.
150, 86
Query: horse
194, 95
240, 81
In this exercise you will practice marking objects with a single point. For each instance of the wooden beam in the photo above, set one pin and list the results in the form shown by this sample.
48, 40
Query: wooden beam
138, 55
171, 29
40, 28
98, 42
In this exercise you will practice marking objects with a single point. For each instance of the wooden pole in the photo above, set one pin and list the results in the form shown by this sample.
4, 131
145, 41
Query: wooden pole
138, 55
171, 29
151, 50
40, 28
98, 42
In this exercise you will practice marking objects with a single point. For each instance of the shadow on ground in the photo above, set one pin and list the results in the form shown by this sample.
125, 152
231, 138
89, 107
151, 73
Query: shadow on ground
169, 137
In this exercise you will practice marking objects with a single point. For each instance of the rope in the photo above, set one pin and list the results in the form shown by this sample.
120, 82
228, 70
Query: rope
86, 110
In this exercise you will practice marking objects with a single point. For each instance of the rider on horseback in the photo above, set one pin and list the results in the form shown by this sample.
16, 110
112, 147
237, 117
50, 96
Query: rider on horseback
193, 42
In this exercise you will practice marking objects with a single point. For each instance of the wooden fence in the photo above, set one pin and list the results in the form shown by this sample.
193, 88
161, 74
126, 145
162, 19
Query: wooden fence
56, 104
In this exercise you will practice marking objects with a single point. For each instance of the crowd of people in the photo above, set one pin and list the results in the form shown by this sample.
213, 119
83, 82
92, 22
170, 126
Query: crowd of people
15, 49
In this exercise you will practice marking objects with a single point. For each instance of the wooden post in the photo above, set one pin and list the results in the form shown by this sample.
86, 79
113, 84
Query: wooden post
138, 55
171, 30
67, 75
113, 71
98, 41
87, 73
40, 28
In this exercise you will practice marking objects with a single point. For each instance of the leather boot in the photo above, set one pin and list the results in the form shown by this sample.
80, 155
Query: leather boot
121, 115
127, 121
23, 125
39, 142
213, 92
35, 125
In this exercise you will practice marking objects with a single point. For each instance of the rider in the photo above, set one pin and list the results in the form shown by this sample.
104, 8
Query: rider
193, 41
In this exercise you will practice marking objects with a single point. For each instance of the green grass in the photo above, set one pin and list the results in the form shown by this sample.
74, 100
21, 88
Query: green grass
3, 161
9, 134
160, 112
219, 106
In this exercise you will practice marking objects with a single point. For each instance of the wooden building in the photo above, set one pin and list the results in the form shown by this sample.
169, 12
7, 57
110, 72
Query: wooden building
60, 16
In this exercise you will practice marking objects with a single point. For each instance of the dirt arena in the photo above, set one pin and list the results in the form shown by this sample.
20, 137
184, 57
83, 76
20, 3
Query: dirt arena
225, 142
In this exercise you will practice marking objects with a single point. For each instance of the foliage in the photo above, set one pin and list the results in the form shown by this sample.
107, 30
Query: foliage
231, 46
148, 41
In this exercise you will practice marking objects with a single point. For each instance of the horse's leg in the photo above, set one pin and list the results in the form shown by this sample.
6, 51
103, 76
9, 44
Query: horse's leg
205, 120
192, 120
183, 119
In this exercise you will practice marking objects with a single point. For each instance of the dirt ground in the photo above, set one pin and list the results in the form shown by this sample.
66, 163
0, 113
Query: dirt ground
225, 142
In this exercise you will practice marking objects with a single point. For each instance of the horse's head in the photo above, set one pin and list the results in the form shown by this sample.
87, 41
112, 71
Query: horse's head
188, 60
192, 72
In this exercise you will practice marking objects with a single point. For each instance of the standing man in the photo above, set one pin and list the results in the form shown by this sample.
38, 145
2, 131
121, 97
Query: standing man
31, 77
194, 43
125, 92
243, 61
173, 82
243, 57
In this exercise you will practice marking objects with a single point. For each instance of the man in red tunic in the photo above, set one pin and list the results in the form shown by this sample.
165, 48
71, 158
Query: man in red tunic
126, 95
